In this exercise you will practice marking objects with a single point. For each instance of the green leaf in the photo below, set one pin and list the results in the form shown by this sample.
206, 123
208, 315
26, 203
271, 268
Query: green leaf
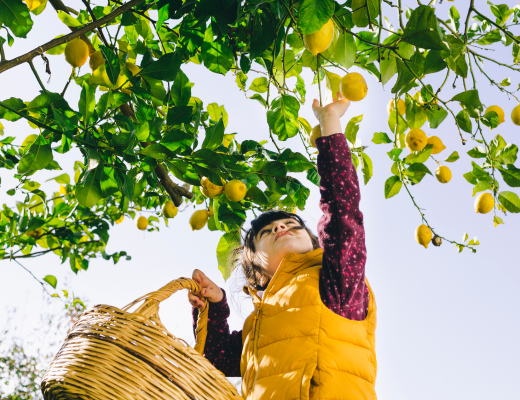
68, 20
259, 98
416, 172
282, 117
112, 66
156, 151
227, 243
14, 14
477, 152
388, 69
352, 128
360, 15
422, 29
264, 34
345, 51
87, 102
179, 115
313, 176
419, 156
464, 121
498, 143
89, 192
257, 196
314, 14
381, 137
510, 201
164, 69
217, 56
453, 157
259, 85
455, 17
508, 154
214, 136
469, 98
511, 175
392, 186
366, 167
38, 157
51, 280
181, 90
64, 179
295, 162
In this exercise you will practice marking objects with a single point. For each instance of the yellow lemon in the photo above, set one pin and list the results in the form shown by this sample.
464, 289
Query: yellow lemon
96, 60
484, 203
235, 190
320, 41
36, 233
423, 235
33, 4
199, 219
228, 139
169, 209
134, 69
438, 146
209, 189
76, 52
401, 107
63, 189
515, 115
499, 111
120, 219
142, 223
315, 134
443, 174
416, 139
211, 211
354, 87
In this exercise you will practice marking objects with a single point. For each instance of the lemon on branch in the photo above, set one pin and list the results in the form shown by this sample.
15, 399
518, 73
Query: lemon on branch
199, 219
142, 223
320, 41
515, 115
96, 60
315, 134
76, 52
484, 203
438, 146
443, 174
120, 219
499, 111
36, 233
354, 87
169, 209
401, 106
209, 189
235, 190
416, 139
33, 4
423, 235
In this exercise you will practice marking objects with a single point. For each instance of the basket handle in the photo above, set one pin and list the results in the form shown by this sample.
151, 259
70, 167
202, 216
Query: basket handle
151, 301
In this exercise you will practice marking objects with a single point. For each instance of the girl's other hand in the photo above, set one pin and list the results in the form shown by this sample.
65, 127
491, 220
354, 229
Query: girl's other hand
209, 290
329, 115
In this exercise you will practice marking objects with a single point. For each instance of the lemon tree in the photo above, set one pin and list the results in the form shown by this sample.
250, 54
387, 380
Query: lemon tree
147, 144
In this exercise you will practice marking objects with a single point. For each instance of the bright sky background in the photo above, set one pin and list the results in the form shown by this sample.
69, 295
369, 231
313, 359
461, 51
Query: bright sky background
448, 322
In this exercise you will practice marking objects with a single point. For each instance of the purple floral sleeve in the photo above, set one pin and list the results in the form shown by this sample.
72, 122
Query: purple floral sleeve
340, 230
223, 348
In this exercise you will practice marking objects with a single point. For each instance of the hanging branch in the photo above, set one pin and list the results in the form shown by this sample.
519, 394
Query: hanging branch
100, 31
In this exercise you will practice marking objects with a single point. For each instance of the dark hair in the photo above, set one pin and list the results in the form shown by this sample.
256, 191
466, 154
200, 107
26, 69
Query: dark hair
245, 255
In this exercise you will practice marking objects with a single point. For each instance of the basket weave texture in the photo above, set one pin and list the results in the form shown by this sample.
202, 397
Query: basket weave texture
114, 354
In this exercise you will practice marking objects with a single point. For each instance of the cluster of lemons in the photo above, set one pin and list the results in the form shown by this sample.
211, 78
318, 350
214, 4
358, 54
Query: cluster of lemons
353, 86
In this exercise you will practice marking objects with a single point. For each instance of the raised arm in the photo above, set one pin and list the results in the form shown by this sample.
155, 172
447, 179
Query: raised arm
340, 230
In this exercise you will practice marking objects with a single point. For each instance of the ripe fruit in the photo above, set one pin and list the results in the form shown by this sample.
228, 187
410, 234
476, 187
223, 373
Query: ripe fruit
436, 241
354, 87
33, 4
438, 146
76, 52
134, 69
320, 41
484, 203
142, 223
315, 133
416, 139
235, 190
515, 115
423, 235
36, 233
199, 219
211, 212
499, 111
169, 209
96, 60
443, 174
120, 219
401, 107
63, 189
209, 189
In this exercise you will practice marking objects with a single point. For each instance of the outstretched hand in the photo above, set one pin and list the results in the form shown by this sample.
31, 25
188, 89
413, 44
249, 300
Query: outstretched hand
337, 107
209, 290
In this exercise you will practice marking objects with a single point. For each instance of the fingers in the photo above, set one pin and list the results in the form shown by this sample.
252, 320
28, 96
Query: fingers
315, 104
195, 301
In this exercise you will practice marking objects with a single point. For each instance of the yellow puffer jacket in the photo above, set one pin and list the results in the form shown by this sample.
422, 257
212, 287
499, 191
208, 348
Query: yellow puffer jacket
294, 347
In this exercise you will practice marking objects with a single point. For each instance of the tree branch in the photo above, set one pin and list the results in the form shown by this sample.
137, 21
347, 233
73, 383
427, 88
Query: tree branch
4, 66
101, 35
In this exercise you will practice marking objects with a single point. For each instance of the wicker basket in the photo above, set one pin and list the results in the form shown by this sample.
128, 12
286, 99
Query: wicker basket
113, 354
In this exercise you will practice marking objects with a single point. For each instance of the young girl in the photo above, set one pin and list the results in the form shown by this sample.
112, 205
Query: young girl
312, 334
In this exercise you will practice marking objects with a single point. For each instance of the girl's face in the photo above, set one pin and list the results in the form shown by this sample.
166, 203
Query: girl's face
278, 239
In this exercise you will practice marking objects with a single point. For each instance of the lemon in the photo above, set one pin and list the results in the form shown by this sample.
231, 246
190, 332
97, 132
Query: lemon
438, 146
320, 41
436, 241
443, 174
401, 107
484, 203
235, 190
169, 209
142, 223
499, 111
36, 233
515, 115
354, 87
199, 219
96, 60
63, 189
228, 139
33, 4
416, 139
76, 52
315, 134
120, 219
209, 189
423, 235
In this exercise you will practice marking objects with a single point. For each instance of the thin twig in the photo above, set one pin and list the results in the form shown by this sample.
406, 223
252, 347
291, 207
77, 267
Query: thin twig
40, 282
36, 75
100, 31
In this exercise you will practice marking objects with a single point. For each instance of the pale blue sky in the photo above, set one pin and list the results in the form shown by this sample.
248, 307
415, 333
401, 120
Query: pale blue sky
448, 322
